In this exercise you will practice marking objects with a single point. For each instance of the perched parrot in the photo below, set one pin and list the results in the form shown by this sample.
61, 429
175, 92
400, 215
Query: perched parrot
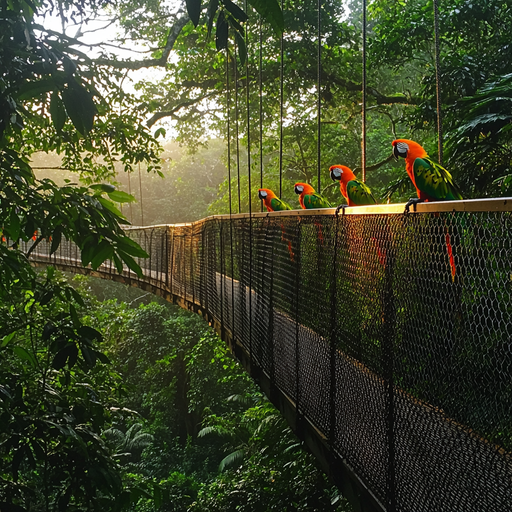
354, 191
271, 201
431, 180
309, 199
274, 204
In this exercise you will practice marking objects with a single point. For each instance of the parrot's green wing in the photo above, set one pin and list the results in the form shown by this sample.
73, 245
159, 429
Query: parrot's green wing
359, 193
316, 201
278, 205
434, 180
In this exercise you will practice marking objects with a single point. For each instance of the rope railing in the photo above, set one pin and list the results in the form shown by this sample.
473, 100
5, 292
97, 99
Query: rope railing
383, 337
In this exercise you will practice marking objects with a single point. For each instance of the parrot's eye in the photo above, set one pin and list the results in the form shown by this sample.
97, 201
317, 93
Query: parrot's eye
336, 173
262, 194
400, 149
298, 189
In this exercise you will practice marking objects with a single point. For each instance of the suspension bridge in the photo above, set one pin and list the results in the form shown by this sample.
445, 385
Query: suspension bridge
389, 355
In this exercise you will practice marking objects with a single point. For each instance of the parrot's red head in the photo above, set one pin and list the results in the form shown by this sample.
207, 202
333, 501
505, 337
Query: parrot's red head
341, 173
407, 149
264, 193
304, 188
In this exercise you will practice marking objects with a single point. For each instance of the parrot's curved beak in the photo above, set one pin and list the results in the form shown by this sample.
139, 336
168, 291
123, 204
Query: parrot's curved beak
299, 189
395, 152
262, 194
336, 173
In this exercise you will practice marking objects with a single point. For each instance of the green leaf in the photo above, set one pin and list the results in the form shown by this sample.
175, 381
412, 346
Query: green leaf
90, 333
14, 225
89, 355
109, 205
118, 263
131, 263
242, 50
56, 239
67, 355
221, 34
270, 10
7, 339
127, 245
74, 316
194, 10
25, 355
32, 89
57, 112
121, 197
235, 10
103, 187
103, 252
79, 107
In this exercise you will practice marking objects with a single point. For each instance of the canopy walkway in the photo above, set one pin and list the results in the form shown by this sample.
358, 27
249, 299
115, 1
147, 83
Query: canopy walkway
385, 339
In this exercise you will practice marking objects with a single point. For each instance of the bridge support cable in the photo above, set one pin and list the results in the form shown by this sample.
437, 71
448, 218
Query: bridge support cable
248, 101
319, 96
237, 134
140, 199
228, 102
281, 109
397, 384
363, 94
260, 99
438, 83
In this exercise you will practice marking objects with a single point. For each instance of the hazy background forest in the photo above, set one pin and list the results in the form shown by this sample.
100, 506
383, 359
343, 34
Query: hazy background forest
183, 101
105, 404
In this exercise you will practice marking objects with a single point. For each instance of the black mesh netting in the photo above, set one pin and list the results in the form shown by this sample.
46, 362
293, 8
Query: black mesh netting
391, 334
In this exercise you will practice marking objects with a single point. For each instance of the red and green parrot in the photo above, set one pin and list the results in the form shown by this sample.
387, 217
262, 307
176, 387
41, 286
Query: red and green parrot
431, 180
310, 199
354, 191
271, 201
274, 204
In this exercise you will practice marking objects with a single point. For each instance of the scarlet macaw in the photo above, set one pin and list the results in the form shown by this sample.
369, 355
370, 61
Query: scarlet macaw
271, 201
431, 180
274, 204
309, 199
354, 191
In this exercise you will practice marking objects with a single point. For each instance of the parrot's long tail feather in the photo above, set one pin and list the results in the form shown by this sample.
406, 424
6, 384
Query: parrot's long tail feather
284, 238
449, 249
450, 254
320, 234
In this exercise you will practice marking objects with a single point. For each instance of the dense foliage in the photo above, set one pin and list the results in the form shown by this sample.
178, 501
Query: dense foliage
206, 436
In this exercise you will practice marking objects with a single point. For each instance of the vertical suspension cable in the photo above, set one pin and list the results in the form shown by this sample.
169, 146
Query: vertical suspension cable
260, 79
248, 103
438, 84
141, 204
363, 106
228, 106
281, 96
228, 109
236, 127
130, 192
248, 100
318, 86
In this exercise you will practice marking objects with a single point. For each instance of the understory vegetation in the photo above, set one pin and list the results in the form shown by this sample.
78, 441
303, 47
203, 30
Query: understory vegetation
163, 420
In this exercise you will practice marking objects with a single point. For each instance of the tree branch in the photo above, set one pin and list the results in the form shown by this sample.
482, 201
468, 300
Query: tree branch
172, 112
149, 63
